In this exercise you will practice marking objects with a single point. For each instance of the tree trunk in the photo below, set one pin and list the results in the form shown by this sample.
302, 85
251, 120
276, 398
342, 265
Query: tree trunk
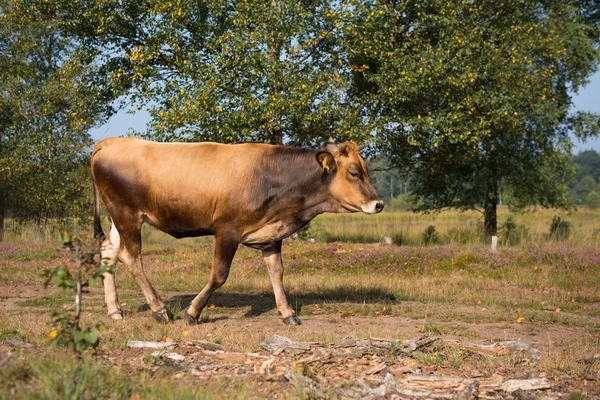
276, 136
490, 219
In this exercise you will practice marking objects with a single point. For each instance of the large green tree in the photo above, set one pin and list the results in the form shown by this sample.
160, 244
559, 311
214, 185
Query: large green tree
45, 113
468, 99
472, 98
229, 71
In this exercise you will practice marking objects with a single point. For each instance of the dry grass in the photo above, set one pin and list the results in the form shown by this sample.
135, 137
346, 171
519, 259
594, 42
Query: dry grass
344, 289
454, 226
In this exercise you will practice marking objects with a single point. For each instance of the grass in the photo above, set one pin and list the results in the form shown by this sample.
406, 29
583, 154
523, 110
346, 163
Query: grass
63, 376
452, 226
455, 288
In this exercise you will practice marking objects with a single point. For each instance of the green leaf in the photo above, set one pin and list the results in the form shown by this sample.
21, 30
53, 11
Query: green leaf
78, 336
91, 337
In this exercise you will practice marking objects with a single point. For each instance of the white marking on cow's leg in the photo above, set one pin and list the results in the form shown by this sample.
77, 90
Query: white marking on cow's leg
272, 257
109, 252
130, 257
225, 249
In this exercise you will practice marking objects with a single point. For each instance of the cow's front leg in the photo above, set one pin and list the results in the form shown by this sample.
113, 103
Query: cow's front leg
225, 248
130, 256
272, 257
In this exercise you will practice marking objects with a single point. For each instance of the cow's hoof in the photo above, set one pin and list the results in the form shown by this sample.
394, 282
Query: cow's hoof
117, 315
189, 320
162, 316
293, 320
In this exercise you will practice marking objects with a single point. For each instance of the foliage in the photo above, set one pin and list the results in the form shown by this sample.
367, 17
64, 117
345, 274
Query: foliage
430, 236
398, 239
88, 269
45, 113
470, 99
466, 100
588, 163
386, 181
63, 376
227, 71
559, 229
511, 232
593, 199
401, 202
587, 178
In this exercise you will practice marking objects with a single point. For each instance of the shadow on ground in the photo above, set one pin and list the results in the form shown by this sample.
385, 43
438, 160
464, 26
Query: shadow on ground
265, 301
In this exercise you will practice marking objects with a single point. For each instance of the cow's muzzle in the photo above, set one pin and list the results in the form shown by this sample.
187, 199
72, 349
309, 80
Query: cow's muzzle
373, 207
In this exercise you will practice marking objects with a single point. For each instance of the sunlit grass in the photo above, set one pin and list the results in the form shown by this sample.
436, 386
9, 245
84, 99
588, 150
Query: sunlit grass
452, 288
453, 226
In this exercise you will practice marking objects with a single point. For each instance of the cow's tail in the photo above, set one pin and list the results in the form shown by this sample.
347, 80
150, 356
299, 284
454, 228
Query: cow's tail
98, 232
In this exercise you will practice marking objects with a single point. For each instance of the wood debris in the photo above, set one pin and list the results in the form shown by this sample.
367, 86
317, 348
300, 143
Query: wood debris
277, 344
381, 346
169, 355
500, 348
206, 345
150, 345
366, 368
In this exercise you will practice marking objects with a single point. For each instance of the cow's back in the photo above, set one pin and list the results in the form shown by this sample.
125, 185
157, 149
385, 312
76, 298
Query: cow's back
178, 187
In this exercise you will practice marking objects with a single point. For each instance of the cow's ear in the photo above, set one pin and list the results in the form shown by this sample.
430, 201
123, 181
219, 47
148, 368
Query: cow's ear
326, 160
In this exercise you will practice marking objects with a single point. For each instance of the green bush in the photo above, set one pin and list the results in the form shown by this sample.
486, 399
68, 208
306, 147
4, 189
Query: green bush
559, 229
403, 202
593, 199
430, 236
511, 233
398, 238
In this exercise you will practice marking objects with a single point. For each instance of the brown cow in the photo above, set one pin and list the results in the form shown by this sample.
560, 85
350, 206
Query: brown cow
253, 194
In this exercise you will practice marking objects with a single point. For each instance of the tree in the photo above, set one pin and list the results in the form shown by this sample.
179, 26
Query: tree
593, 199
472, 98
228, 71
45, 113
587, 177
588, 163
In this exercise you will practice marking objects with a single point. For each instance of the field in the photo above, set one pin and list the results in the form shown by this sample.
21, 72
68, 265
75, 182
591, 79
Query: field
345, 282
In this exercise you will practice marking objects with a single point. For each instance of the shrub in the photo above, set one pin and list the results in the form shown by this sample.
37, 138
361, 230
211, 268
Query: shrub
397, 238
511, 233
430, 236
403, 202
400, 203
559, 228
593, 199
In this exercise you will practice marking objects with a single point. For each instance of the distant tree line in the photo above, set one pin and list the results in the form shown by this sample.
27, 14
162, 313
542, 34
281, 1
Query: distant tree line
466, 100
585, 187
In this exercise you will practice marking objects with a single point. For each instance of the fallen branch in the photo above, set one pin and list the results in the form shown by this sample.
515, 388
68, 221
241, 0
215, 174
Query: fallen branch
206, 345
280, 343
150, 345
388, 345
500, 348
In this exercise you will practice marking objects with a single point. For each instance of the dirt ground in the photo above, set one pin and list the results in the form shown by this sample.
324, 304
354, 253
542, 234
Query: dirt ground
460, 352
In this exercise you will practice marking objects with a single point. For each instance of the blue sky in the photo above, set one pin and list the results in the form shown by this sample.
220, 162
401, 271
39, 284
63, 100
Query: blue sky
588, 99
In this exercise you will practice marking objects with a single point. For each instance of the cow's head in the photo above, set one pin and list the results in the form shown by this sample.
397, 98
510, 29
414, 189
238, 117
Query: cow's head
350, 184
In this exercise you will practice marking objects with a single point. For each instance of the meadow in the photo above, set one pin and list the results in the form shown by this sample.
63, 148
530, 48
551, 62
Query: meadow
345, 279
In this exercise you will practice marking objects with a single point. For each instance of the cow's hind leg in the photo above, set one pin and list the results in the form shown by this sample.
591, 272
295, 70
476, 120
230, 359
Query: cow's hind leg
272, 257
225, 249
130, 256
109, 252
